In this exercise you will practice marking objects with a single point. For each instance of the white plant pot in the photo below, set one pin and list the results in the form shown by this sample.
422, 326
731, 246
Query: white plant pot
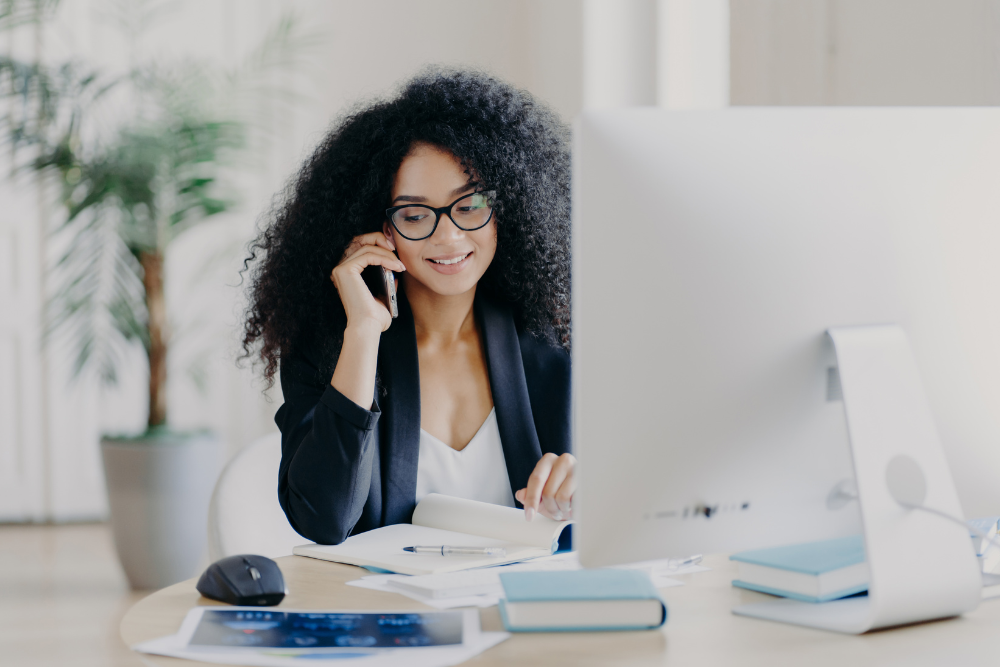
158, 491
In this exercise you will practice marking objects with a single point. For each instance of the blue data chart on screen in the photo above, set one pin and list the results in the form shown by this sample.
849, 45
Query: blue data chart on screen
301, 630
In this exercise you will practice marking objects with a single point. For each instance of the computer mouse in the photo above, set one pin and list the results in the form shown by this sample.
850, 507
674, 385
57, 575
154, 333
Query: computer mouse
246, 580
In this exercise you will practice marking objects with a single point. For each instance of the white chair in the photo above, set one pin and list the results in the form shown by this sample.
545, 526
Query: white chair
244, 516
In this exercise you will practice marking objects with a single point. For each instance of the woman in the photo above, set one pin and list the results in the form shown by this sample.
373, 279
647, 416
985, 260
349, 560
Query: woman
459, 185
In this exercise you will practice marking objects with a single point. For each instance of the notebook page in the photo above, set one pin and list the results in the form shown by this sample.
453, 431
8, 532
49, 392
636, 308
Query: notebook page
383, 548
477, 518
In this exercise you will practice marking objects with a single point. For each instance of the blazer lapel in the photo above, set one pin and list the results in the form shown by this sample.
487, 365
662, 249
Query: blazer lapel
510, 392
399, 372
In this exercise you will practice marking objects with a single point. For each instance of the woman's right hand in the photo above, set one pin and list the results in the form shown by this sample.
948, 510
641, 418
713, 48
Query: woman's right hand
362, 308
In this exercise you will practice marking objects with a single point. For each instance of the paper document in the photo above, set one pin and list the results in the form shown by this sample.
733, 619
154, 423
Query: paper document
272, 637
381, 582
663, 569
445, 520
481, 587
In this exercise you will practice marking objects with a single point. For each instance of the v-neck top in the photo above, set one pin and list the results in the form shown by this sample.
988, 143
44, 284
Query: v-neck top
476, 472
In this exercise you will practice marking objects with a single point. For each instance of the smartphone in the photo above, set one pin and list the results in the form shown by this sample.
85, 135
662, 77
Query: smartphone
382, 284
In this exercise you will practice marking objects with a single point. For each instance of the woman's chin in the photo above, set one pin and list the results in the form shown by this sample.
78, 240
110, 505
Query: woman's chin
446, 285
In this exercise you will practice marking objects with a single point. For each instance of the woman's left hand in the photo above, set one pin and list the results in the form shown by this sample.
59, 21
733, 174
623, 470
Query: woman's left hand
550, 488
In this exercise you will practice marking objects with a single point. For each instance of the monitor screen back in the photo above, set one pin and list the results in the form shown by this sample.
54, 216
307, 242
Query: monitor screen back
712, 249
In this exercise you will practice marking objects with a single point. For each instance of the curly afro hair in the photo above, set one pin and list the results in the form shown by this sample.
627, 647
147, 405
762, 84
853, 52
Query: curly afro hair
511, 142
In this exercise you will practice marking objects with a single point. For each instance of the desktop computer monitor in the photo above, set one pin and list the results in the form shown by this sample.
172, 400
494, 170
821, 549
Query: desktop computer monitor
712, 252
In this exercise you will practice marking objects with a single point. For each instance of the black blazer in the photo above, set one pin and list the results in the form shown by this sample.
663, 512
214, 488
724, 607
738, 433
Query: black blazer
345, 470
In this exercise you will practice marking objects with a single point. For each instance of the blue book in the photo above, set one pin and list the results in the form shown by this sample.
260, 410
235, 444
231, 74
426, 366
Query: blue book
580, 600
811, 572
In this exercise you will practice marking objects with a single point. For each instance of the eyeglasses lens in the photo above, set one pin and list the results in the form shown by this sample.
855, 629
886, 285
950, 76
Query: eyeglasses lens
470, 212
473, 211
414, 222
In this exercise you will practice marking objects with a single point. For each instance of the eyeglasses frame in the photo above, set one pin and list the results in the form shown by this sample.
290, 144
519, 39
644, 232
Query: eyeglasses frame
438, 212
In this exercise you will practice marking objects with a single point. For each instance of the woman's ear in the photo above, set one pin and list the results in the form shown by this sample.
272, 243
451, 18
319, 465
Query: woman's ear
387, 230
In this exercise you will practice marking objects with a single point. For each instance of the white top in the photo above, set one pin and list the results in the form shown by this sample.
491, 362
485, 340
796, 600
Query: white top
478, 472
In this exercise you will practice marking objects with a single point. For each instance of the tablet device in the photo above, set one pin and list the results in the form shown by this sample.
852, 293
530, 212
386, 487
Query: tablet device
256, 628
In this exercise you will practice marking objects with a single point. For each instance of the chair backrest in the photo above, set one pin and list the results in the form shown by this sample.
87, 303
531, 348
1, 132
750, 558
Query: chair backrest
244, 516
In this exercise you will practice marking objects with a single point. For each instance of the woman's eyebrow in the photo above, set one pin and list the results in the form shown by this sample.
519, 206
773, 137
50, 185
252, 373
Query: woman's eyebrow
454, 193
467, 186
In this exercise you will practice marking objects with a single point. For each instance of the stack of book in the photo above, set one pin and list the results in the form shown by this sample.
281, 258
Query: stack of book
833, 569
811, 572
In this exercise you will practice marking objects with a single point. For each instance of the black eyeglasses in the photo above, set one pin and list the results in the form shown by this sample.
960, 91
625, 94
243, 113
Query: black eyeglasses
469, 213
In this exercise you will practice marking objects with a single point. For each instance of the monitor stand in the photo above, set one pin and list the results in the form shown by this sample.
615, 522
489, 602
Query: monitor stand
922, 566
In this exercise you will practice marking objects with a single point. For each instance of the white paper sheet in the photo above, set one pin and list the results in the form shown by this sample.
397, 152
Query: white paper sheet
488, 520
662, 568
379, 582
660, 581
383, 548
491, 592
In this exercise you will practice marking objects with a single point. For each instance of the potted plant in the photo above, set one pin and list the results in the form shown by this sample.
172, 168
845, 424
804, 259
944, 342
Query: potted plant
151, 182
135, 160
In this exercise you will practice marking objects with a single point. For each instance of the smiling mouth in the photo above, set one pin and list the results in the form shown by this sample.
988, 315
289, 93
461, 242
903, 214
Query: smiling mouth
448, 262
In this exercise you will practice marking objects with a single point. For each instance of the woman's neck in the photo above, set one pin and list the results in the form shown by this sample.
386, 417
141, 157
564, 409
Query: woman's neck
439, 319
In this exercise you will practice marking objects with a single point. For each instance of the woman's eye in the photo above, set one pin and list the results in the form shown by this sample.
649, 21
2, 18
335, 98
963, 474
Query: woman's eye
414, 218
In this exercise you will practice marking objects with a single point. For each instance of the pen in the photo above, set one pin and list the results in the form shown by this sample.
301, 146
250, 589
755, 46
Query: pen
458, 551
678, 563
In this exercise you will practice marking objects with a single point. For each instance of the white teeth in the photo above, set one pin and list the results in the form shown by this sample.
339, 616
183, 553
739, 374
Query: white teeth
450, 261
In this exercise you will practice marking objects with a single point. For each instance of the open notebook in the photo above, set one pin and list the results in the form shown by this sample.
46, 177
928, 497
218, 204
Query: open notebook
439, 520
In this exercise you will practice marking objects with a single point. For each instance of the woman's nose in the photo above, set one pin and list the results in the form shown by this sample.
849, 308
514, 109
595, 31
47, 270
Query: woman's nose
447, 230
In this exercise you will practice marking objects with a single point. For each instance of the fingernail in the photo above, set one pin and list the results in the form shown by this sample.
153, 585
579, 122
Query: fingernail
391, 243
529, 513
557, 516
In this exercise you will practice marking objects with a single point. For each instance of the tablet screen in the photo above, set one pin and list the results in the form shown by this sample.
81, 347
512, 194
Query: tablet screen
275, 629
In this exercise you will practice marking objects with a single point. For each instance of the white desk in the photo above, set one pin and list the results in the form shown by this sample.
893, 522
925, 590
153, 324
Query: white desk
700, 629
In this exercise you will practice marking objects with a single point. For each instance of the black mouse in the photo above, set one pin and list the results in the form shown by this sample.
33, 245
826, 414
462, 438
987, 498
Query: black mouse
245, 580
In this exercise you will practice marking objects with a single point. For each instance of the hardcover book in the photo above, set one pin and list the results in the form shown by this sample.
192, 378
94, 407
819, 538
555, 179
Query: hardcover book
812, 572
580, 600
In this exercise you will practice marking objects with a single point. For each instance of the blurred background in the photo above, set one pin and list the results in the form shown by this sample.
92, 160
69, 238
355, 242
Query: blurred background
224, 99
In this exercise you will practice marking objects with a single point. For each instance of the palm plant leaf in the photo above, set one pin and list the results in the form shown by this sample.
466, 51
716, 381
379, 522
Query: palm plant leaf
46, 109
117, 209
100, 300
15, 13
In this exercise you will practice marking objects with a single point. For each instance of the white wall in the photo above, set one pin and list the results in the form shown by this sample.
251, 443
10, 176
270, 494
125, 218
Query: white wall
865, 52
693, 54
671, 53
23, 484
619, 58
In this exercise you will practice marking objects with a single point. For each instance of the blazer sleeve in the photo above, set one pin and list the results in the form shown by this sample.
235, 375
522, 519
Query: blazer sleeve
327, 453
548, 374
